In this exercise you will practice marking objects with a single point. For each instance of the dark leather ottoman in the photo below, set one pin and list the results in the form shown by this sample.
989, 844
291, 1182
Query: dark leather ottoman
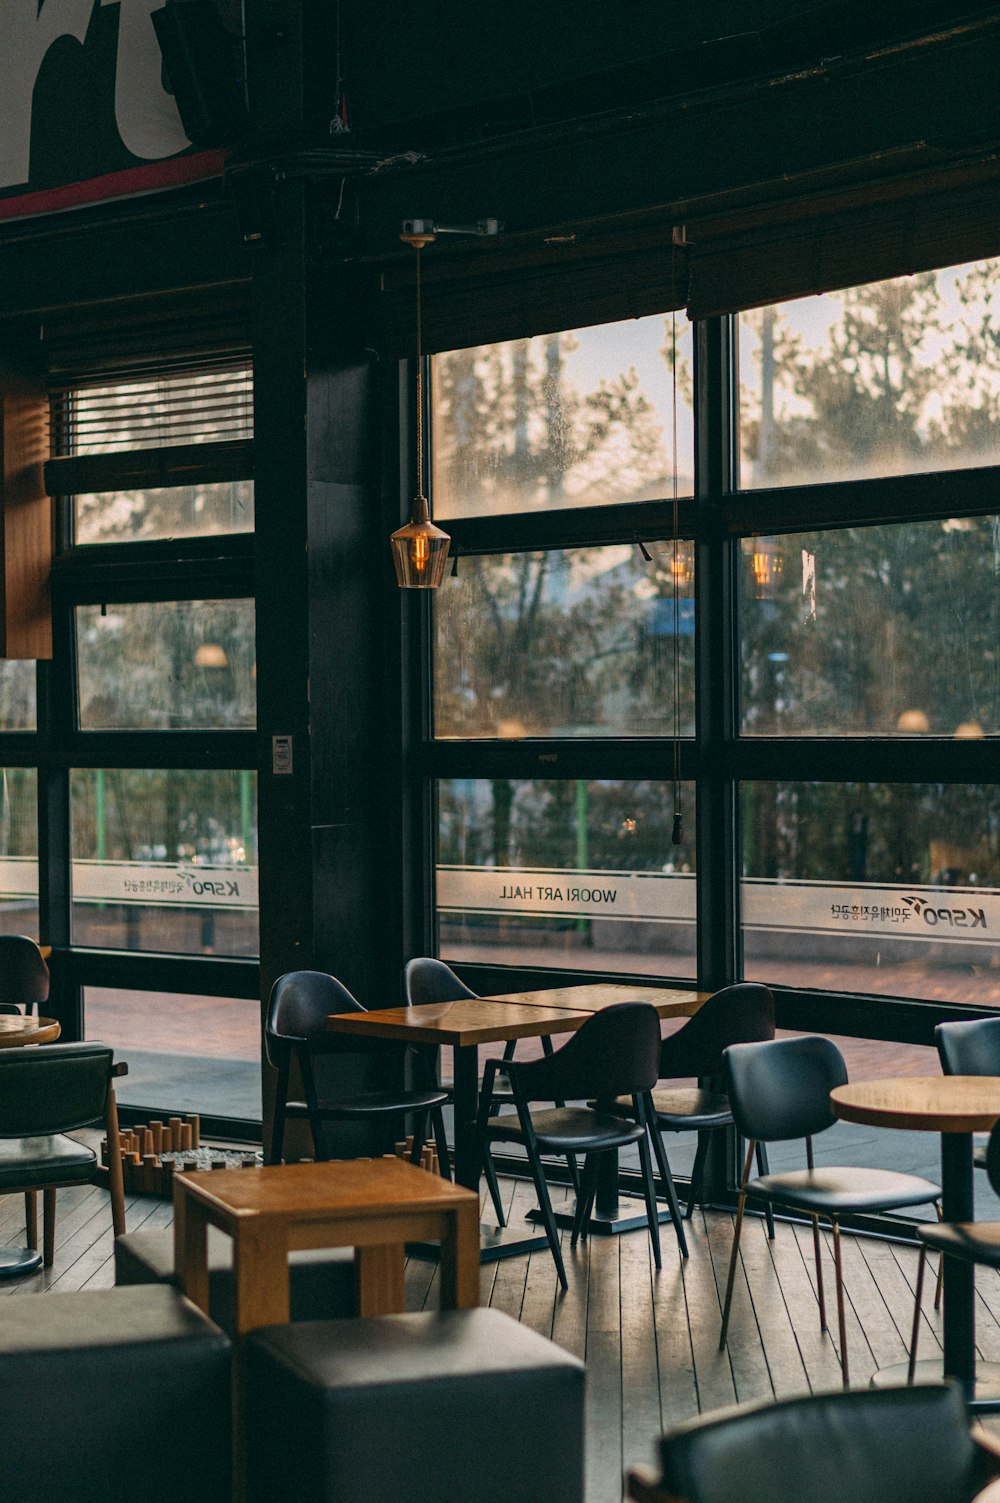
413, 1408
114, 1396
321, 1283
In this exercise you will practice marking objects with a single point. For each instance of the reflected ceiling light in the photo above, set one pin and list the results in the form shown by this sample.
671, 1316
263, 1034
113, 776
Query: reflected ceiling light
765, 565
211, 655
969, 730
913, 723
419, 550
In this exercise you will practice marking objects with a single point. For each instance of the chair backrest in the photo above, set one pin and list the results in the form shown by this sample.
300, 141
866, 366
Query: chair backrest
739, 1014
781, 1088
24, 976
993, 1158
970, 1047
428, 980
890, 1445
298, 1007
53, 1088
615, 1053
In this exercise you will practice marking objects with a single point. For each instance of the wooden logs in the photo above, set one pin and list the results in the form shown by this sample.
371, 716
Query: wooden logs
151, 1152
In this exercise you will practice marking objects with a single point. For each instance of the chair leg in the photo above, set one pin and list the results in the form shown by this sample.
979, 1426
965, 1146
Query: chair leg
763, 1169
817, 1250
669, 1190
584, 1199
841, 1316
545, 1206
493, 1184
116, 1177
278, 1121
939, 1285
31, 1218
732, 1270
651, 1208
574, 1172
48, 1228
915, 1335
419, 1136
441, 1142
697, 1175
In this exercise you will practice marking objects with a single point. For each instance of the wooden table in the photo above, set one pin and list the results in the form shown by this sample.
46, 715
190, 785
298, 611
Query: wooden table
373, 1205
17, 1031
956, 1106
465, 1025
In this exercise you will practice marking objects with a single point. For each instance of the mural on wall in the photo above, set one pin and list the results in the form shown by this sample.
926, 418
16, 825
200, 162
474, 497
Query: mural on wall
85, 111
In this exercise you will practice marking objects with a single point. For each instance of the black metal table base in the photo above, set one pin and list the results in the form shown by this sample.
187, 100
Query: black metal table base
495, 1243
17, 1262
985, 1397
608, 1223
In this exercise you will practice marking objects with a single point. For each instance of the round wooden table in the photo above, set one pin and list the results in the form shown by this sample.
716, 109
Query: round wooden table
16, 1031
955, 1106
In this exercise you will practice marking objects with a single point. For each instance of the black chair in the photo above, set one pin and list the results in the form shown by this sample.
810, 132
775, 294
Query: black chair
24, 976
880, 1445
299, 1005
970, 1047
738, 1014
781, 1090
45, 1094
428, 980
614, 1053
970, 1241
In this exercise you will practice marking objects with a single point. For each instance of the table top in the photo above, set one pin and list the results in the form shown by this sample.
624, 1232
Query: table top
599, 995
922, 1103
17, 1030
355, 1188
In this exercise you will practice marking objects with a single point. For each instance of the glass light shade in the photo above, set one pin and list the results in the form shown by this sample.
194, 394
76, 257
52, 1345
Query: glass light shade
420, 551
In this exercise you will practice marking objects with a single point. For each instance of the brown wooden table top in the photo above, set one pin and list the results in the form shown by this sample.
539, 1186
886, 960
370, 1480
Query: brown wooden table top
598, 996
17, 1030
931, 1103
323, 1191
473, 1020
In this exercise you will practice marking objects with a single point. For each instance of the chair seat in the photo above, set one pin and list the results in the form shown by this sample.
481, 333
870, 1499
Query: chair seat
372, 1103
844, 1188
570, 1129
55, 1160
972, 1241
684, 1109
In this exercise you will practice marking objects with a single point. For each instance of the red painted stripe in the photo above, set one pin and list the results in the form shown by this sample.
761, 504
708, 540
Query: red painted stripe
147, 179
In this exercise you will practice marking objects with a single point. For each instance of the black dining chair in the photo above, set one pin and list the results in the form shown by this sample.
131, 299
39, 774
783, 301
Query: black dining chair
46, 1094
970, 1046
428, 980
24, 976
779, 1090
738, 1014
299, 1005
614, 1053
970, 1241
876, 1445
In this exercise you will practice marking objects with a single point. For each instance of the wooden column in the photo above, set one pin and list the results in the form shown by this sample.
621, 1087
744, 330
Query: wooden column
26, 528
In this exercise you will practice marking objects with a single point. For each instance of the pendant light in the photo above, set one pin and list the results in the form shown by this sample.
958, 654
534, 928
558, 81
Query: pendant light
765, 566
419, 550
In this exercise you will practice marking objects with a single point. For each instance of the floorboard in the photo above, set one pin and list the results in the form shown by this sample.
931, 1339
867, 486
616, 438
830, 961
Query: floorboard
650, 1338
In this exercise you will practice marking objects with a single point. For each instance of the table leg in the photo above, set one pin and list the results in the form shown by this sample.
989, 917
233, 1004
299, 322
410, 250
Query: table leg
460, 1260
379, 1271
466, 1098
260, 1276
191, 1248
959, 1277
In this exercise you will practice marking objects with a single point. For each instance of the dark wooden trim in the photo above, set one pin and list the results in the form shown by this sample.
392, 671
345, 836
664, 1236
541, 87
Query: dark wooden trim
148, 469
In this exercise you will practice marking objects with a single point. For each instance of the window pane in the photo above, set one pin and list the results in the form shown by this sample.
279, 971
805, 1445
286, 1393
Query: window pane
574, 419
884, 888
575, 643
188, 1054
155, 410
165, 860
892, 378
17, 695
579, 874
873, 630
187, 665
19, 851
182, 511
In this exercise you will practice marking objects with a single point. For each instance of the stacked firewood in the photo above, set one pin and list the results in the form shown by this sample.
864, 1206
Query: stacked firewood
151, 1152
428, 1155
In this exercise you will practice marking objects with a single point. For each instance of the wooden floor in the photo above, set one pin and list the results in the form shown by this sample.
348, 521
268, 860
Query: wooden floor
650, 1340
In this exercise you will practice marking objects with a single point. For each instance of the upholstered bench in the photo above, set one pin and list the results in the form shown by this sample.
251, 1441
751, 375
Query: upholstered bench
420, 1408
114, 1396
321, 1283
